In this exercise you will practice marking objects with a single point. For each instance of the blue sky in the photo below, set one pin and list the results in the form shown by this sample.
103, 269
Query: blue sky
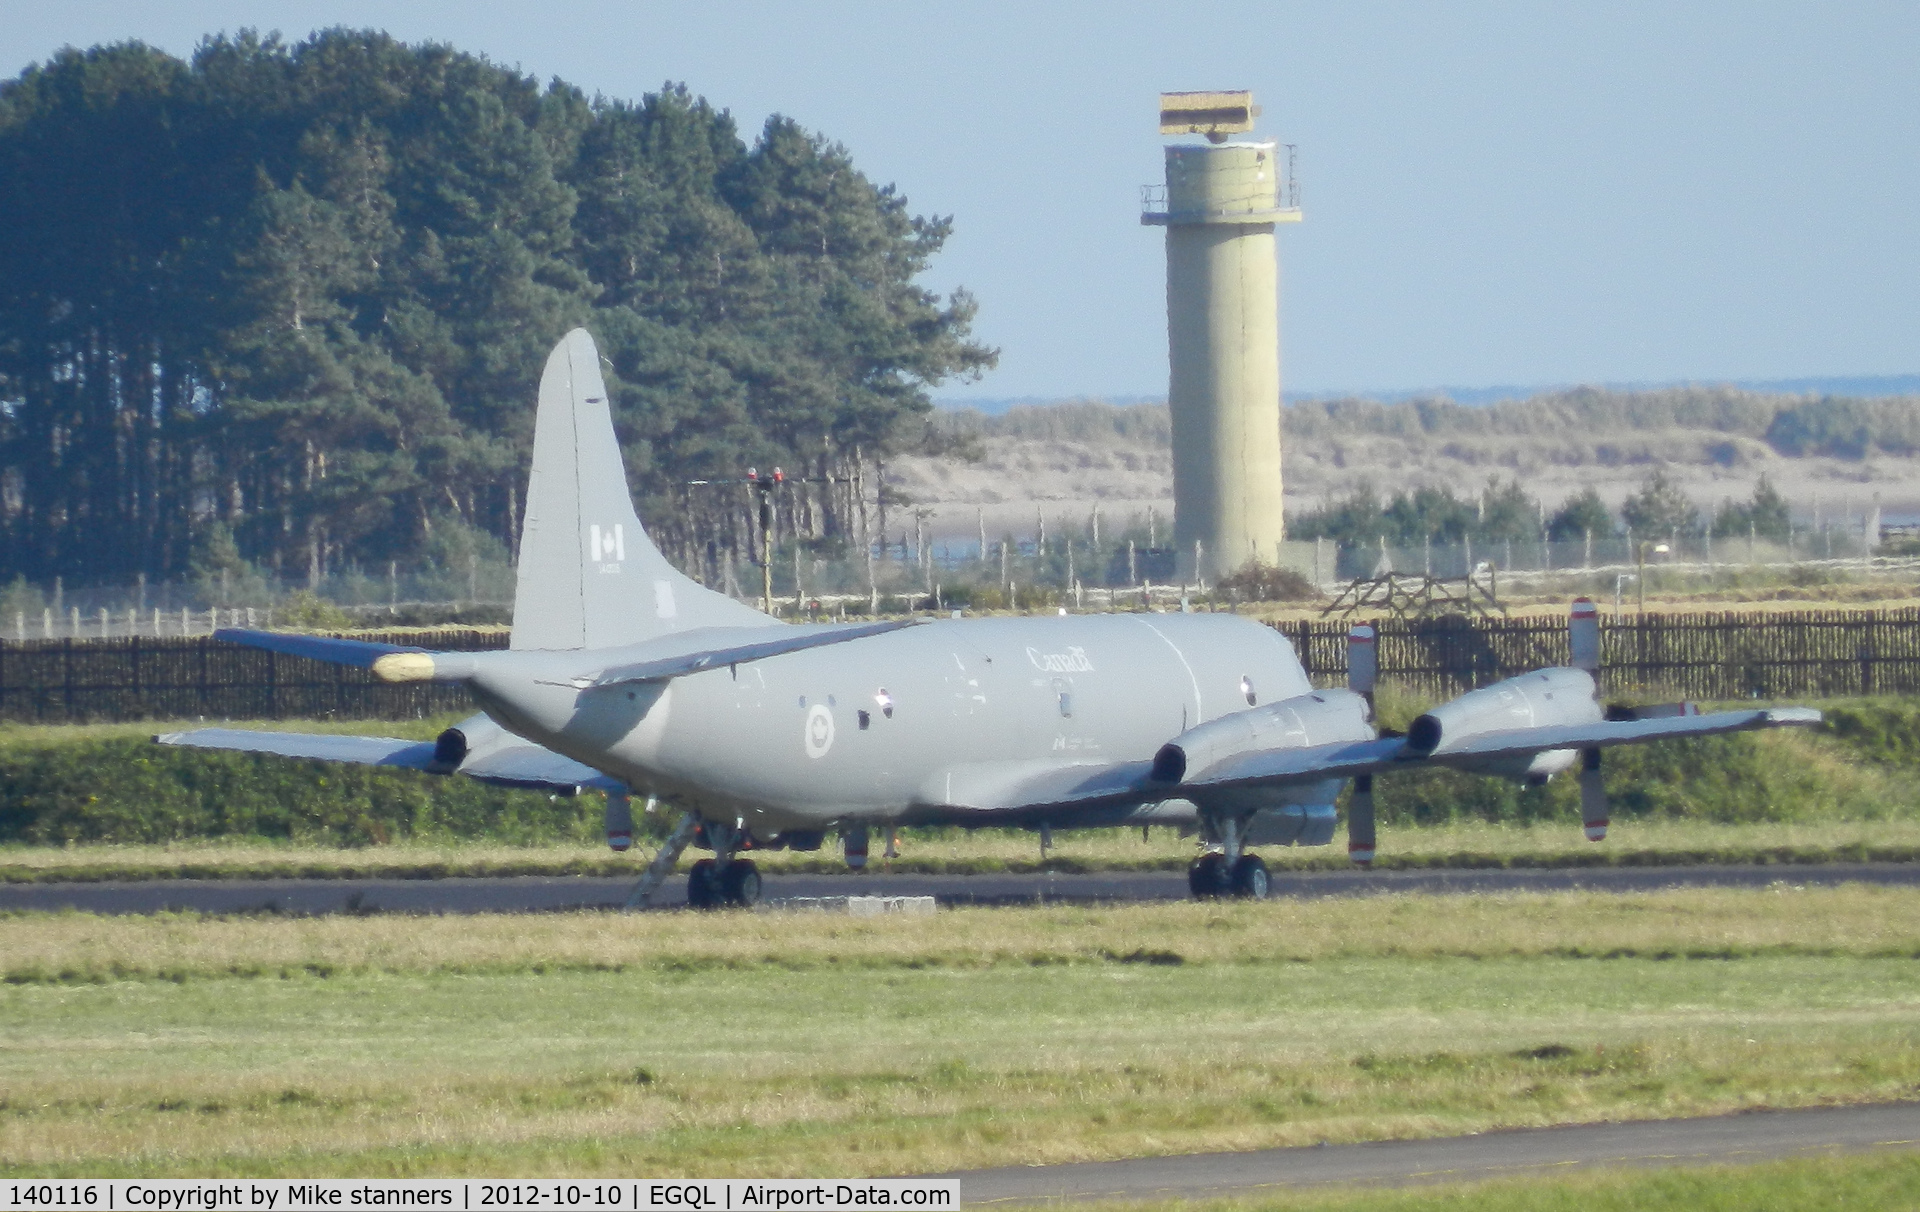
1494, 193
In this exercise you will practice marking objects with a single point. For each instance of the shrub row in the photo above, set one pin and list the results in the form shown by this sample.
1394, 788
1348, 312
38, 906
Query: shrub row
1861, 766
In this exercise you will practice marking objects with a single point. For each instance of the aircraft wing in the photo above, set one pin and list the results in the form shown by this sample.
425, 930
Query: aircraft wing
535, 768
1388, 754
1603, 733
1343, 759
1000, 787
523, 765
1061, 793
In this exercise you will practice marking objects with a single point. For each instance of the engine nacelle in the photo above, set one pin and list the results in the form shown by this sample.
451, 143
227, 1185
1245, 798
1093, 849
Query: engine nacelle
1533, 700
471, 737
1320, 718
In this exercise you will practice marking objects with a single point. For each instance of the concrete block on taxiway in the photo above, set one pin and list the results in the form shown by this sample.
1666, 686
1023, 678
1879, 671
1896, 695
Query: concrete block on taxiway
854, 906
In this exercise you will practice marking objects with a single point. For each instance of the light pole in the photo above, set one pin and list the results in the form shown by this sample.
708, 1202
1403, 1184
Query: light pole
1640, 579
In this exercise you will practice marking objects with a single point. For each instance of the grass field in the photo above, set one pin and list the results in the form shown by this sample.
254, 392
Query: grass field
803, 1044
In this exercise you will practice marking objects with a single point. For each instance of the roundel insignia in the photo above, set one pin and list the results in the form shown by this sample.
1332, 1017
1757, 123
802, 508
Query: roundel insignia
819, 730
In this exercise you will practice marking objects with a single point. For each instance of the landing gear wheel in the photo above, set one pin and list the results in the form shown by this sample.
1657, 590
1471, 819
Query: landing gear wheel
1250, 878
1207, 878
740, 884
701, 892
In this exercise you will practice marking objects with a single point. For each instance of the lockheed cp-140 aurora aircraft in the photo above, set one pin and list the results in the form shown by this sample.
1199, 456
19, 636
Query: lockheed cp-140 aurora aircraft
625, 676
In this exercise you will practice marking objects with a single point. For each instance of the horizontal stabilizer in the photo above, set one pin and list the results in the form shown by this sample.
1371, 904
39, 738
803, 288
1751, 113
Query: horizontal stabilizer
360, 750
785, 640
358, 653
516, 764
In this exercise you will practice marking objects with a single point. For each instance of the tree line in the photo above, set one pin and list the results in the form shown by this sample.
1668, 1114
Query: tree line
1504, 512
288, 304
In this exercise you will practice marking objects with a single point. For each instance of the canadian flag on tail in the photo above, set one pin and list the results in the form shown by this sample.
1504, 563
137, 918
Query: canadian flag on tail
610, 544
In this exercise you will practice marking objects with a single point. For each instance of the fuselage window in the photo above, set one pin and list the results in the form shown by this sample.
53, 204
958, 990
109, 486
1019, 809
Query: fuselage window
886, 702
865, 720
1246, 690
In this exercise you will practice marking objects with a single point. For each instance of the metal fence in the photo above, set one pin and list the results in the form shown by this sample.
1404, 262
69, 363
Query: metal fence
58, 681
1716, 657
1738, 655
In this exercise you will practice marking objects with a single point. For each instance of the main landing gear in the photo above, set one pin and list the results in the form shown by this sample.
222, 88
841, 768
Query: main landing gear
712, 886
723, 880
1228, 871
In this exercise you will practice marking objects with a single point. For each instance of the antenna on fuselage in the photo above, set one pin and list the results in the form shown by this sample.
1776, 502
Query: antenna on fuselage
1583, 642
1363, 668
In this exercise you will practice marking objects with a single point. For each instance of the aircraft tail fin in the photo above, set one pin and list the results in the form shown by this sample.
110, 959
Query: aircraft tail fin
589, 577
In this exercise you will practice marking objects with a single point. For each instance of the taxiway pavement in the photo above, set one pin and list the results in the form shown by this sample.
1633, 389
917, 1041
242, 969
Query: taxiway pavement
1719, 1140
535, 894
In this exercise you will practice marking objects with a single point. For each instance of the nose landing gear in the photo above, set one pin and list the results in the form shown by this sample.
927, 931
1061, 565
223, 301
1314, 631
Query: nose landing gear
1228, 871
711, 886
723, 880
1212, 878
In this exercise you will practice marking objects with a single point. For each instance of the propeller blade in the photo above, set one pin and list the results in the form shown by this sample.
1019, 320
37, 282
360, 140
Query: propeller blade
1583, 635
1363, 662
619, 818
1360, 821
1593, 797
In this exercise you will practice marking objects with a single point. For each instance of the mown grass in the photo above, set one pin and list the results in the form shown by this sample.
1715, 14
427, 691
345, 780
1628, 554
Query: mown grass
1852, 920
1813, 1184
1460, 844
808, 1045
827, 1072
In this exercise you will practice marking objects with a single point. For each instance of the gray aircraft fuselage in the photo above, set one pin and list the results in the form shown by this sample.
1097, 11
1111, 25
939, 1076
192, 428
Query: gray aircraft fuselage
868, 731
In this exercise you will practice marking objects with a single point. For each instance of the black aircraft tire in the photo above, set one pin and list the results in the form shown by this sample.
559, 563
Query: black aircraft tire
741, 884
1207, 878
701, 894
1250, 879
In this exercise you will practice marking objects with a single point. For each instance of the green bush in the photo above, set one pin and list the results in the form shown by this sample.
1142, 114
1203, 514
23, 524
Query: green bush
129, 790
1860, 765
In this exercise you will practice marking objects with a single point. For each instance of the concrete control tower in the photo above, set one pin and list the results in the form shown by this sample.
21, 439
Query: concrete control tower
1219, 206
